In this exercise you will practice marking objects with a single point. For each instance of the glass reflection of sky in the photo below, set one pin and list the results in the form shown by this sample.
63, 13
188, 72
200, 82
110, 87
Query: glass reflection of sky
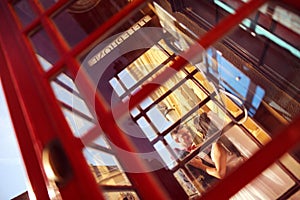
233, 80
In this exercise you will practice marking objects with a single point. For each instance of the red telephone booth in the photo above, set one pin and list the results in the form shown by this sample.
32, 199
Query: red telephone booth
97, 88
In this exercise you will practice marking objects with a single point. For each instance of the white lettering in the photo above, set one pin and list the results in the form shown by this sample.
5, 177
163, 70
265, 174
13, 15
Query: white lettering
118, 41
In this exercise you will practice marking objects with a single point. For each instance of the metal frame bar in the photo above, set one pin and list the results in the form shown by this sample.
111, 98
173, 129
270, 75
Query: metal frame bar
45, 102
44, 121
27, 143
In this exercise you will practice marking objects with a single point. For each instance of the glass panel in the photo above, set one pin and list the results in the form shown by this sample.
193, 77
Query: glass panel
165, 154
295, 196
70, 99
191, 134
216, 114
231, 81
126, 195
291, 164
24, 12
47, 3
73, 106
69, 27
67, 81
226, 90
101, 141
165, 47
176, 36
257, 131
146, 63
78, 124
245, 145
105, 168
204, 81
44, 48
127, 78
147, 129
117, 86
158, 119
84, 16
188, 186
271, 184
134, 112
175, 105
287, 18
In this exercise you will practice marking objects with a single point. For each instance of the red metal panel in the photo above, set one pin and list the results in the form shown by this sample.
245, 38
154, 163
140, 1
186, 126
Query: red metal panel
152, 188
43, 116
27, 143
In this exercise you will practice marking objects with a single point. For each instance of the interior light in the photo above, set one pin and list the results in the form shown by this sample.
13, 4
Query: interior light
253, 34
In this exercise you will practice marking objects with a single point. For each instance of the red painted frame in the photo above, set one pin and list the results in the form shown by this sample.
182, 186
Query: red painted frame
25, 84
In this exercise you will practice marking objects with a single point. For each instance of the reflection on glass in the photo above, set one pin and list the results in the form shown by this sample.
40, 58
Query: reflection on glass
163, 44
79, 125
134, 112
47, 3
218, 156
175, 105
117, 86
105, 167
295, 196
230, 105
70, 99
204, 82
187, 184
217, 114
69, 28
24, 12
165, 154
257, 131
84, 16
124, 195
174, 38
228, 79
271, 184
100, 141
147, 62
292, 164
242, 141
147, 129
44, 47
158, 119
142, 67
74, 108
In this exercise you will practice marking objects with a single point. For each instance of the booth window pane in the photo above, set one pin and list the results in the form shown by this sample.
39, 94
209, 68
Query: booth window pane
105, 167
24, 12
44, 47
